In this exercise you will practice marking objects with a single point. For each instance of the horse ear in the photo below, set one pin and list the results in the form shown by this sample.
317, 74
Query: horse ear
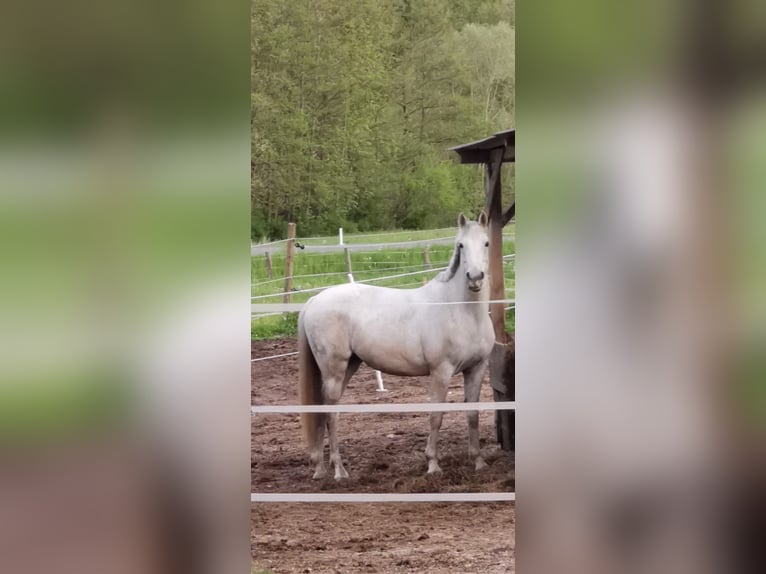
483, 219
461, 221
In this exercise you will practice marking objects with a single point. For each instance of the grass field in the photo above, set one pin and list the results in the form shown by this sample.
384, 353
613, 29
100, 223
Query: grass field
317, 270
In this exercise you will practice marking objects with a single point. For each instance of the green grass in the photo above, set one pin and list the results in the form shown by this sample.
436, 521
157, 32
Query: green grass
315, 270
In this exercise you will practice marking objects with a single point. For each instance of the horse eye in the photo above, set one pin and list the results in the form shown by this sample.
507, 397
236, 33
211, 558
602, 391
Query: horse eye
486, 244
459, 245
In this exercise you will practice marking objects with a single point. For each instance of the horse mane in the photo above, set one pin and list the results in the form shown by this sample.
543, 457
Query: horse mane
451, 269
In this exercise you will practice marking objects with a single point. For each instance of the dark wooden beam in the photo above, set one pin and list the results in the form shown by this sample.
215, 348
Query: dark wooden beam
483, 155
494, 211
509, 214
492, 172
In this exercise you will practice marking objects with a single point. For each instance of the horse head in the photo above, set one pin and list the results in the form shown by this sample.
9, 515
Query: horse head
471, 254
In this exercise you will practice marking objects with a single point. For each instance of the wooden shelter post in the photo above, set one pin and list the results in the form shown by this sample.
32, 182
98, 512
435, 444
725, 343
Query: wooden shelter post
493, 152
495, 212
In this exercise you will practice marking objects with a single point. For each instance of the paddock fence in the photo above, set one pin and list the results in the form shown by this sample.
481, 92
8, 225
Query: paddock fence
261, 307
322, 244
374, 408
391, 264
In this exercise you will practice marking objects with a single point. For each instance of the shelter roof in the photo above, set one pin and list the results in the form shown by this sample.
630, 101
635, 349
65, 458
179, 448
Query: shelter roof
481, 151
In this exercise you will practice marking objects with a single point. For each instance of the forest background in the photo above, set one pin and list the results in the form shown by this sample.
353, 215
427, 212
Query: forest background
354, 105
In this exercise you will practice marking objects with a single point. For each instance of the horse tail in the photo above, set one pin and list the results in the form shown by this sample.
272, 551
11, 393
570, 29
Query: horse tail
309, 388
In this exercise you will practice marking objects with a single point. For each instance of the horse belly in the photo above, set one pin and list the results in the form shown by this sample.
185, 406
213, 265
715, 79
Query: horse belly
397, 366
392, 351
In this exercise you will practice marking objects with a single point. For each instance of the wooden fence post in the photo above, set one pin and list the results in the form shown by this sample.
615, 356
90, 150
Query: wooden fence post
290, 253
426, 257
269, 270
426, 261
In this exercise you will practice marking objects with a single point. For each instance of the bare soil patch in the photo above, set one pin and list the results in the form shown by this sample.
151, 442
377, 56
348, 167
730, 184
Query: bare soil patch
383, 452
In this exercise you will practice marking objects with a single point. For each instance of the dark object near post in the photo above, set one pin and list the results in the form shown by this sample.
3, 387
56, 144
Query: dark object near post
493, 152
502, 378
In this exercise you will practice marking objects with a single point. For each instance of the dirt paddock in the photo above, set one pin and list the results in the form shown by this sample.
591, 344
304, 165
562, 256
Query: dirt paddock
383, 452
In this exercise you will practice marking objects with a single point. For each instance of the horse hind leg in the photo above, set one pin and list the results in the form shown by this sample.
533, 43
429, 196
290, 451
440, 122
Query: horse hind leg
316, 450
333, 389
316, 456
335, 460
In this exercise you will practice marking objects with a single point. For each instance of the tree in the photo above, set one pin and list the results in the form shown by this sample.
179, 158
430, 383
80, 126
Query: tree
355, 103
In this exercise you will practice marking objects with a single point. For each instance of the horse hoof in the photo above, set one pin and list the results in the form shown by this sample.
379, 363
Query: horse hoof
434, 468
480, 464
341, 474
319, 473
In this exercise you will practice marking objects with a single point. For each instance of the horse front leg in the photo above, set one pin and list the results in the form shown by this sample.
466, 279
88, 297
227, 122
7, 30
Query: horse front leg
472, 385
437, 394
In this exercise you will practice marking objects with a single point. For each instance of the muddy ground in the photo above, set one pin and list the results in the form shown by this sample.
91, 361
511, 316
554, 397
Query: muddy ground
383, 453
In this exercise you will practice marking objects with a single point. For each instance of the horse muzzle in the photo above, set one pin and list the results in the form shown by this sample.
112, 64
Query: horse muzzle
476, 282
475, 286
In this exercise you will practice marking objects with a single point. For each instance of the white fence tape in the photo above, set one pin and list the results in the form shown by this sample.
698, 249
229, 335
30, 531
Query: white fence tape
274, 357
385, 408
360, 271
331, 239
260, 249
383, 497
327, 239
282, 294
295, 307
275, 242
333, 248
373, 280
276, 307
